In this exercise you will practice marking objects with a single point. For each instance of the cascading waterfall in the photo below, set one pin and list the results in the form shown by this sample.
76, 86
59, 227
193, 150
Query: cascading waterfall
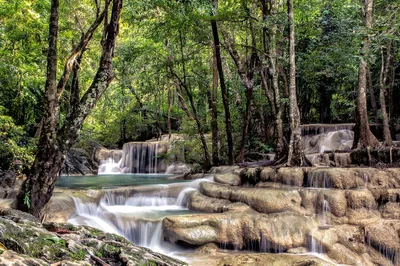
136, 158
330, 141
138, 218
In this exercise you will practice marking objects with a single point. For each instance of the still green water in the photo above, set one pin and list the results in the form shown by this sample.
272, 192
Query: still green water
110, 181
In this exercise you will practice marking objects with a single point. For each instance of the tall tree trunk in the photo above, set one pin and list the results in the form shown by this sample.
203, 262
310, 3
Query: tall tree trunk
55, 141
49, 153
295, 155
224, 90
280, 150
363, 136
372, 96
382, 93
212, 98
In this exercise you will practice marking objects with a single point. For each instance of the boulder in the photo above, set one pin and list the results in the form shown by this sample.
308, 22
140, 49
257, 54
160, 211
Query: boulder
374, 178
268, 174
336, 199
240, 228
228, 179
384, 237
78, 162
260, 199
357, 199
199, 202
338, 178
31, 243
291, 176
226, 169
391, 210
362, 216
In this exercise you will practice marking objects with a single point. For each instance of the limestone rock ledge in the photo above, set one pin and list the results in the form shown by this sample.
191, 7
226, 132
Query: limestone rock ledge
28, 242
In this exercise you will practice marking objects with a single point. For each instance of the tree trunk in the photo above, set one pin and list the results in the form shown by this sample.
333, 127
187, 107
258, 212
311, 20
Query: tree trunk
392, 122
224, 90
33, 192
363, 136
55, 141
169, 108
246, 122
382, 93
372, 96
280, 150
295, 155
212, 98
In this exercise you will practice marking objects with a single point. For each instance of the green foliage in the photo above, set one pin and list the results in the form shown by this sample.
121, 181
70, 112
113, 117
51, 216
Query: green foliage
17, 149
157, 37
27, 200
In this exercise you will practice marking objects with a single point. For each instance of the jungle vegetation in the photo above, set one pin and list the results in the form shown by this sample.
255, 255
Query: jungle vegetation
238, 77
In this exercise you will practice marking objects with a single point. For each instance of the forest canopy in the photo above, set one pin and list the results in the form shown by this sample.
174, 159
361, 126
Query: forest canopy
166, 73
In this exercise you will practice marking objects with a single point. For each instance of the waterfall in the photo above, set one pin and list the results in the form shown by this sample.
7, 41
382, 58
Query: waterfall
135, 157
137, 218
330, 141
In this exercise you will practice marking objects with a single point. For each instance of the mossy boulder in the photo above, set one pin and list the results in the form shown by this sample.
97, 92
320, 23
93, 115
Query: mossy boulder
28, 242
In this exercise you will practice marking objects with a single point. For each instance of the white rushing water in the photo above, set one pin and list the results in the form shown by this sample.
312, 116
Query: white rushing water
137, 218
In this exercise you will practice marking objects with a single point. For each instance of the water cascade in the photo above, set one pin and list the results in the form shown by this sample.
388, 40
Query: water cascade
143, 157
136, 158
331, 141
139, 217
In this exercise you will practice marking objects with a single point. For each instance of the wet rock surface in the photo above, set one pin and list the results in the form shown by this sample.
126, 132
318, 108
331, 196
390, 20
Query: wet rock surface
348, 216
28, 242
251, 259
342, 214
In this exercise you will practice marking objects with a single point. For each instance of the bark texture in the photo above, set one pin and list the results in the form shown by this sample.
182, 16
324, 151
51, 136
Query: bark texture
55, 140
382, 95
295, 156
363, 136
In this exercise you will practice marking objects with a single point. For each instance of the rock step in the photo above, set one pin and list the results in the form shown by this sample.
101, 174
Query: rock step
241, 229
336, 178
354, 206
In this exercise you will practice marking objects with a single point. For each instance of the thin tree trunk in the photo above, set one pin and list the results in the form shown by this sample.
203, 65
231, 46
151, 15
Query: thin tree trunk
245, 129
382, 93
391, 107
295, 155
372, 96
169, 108
363, 136
212, 98
224, 90
54, 141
